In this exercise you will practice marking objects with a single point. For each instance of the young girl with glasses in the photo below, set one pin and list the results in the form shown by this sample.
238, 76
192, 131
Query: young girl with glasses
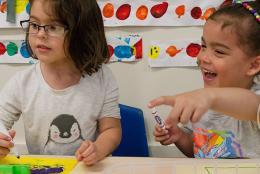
69, 99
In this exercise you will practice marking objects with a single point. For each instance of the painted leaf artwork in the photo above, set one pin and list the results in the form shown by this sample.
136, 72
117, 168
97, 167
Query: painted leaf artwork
125, 49
155, 13
21, 9
14, 51
41, 164
173, 54
121, 49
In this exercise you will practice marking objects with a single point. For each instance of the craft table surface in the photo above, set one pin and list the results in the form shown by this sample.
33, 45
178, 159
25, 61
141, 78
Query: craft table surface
138, 165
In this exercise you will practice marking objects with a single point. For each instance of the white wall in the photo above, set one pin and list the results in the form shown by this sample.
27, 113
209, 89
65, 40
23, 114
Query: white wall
138, 83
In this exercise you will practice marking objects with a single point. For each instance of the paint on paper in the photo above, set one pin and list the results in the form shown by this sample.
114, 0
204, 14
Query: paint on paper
174, 53
14, 51
153, 13
40, 165
125, 48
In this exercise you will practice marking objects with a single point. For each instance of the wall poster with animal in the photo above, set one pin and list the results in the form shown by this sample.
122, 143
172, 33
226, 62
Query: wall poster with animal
156, 13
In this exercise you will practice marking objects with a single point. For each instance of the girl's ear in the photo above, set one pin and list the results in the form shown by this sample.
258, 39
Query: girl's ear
254, 66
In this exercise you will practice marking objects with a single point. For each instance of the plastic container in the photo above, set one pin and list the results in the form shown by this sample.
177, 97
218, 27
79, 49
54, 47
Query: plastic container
14, 169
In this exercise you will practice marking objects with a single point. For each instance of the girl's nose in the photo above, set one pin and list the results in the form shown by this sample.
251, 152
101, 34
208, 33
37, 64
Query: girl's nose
203, 57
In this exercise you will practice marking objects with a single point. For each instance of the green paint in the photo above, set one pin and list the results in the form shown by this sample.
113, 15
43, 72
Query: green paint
12, 49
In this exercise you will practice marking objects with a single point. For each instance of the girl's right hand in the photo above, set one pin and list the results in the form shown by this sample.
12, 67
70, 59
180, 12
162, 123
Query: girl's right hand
167, 136
6, 143
186, 107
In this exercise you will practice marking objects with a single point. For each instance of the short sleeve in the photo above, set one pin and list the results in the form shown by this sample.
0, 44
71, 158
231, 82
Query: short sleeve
111, 105
10, 105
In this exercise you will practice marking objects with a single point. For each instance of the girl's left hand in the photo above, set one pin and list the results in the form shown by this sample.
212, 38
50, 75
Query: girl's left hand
87, 153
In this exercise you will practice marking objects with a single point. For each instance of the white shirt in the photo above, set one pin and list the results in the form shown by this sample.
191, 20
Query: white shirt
57, 121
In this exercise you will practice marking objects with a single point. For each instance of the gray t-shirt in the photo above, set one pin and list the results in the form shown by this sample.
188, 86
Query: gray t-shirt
57, 121
221, 136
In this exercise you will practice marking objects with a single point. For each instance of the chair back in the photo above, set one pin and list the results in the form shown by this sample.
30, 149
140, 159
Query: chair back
134, 140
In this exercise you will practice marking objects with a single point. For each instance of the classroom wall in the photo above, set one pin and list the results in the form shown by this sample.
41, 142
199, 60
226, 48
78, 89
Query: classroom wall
138, 83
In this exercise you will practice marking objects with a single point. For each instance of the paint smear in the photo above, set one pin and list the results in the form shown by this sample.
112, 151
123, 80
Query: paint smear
142, 12
2, 48
172, 51
21, 5
12, 49
180, 10
3, 6
23, 50
193, 49
108, 10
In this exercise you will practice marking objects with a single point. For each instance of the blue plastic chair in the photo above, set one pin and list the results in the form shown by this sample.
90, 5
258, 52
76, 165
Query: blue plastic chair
134, 140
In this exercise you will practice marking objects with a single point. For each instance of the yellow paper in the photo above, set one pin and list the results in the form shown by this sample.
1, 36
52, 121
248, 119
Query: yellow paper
68, 163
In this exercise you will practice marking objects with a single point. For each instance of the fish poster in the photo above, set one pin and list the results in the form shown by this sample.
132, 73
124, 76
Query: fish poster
21, 9
14, 51
174, 53
125, 48
157, 13
42, 164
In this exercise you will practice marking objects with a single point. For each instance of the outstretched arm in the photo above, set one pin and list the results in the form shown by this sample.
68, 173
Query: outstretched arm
239, 103
190, 106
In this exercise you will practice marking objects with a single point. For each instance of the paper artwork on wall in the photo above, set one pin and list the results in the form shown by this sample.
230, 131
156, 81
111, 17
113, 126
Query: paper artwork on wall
21, 9
14, 51
125, 49
152, 13
173, 54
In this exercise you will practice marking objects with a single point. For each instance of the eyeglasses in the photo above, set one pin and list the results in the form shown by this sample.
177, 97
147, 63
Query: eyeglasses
33, 28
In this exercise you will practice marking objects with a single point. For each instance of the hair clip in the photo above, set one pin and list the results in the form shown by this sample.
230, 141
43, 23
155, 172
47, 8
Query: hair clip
249, 8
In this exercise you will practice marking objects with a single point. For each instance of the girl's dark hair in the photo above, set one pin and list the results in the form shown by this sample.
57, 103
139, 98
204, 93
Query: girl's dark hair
244, 24
85, 35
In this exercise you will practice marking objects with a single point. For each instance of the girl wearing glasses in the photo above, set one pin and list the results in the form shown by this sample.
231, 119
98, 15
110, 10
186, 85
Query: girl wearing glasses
69, 99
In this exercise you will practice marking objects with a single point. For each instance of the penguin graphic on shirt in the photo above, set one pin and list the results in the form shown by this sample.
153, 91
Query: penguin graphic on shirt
64, 136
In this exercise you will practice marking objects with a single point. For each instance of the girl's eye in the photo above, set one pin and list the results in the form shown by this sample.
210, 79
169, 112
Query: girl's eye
203, 47
52, 28
220, 52
34, 26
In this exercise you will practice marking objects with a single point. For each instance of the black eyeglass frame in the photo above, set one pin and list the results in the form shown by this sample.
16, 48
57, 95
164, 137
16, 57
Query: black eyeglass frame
39, 26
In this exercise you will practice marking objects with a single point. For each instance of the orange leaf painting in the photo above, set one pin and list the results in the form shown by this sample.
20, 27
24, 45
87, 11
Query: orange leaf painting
142, 12
172, 51
3, 7
208, 13
108, 10
180, 10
